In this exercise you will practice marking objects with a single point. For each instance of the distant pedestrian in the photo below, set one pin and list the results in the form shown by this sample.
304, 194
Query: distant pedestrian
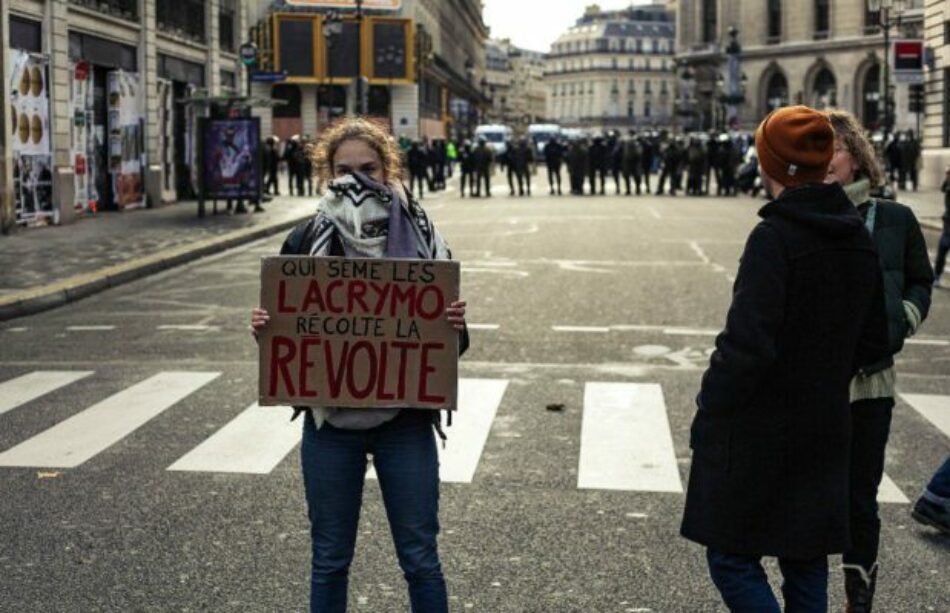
292, 160
358, 156
305, 166
553, 158
944, 245
671, 161
615, 159
418, 161
271, 163
451, 156
695, 162
520, 155
769, 475
910, 160
597, 165
649, 149
907, 285
483, 158
632, 162
578, 160
933, 506
466, 158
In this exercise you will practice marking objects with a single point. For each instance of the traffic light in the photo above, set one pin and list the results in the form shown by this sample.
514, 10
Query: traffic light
916, 101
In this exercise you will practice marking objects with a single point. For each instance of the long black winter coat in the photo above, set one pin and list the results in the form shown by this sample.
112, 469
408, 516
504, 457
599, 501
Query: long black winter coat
908, 274
771, 437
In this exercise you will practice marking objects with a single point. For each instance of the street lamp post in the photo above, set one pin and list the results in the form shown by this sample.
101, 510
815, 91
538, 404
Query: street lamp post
732, 88
332, 27
883, 9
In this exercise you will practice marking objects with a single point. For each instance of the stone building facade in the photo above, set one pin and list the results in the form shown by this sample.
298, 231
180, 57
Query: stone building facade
514, 83
823, 53
145, 55
614, 70
440, 98
936, 140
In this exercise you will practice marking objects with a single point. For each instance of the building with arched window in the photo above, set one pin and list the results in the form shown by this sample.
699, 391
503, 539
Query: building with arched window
823, 53
613, 70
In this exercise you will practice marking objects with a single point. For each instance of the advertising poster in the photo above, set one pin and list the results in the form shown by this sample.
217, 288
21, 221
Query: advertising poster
82, 154
125, 139
166, 138
30, 138
364, 333
231, 158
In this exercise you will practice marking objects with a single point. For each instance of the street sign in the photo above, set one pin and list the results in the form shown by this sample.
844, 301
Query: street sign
909, 77
384, 5
908, 55
248, 53
268, 77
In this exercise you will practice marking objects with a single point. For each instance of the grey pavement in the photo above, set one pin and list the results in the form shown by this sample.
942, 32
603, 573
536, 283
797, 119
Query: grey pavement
39, 256
568, 291
928, 205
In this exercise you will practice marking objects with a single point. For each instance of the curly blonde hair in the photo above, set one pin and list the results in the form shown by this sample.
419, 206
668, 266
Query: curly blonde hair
372, 132
848, 132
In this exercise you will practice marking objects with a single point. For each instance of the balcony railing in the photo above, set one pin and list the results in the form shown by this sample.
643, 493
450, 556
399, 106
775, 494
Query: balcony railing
123, 9
561, 54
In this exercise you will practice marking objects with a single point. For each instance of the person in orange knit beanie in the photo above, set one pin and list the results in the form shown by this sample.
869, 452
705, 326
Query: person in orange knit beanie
770, 438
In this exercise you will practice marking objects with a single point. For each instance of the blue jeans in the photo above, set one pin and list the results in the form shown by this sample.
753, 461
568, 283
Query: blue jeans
745, 587
407, 464
938, 490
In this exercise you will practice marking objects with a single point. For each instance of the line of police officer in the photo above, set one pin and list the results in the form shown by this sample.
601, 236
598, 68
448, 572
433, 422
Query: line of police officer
630, 160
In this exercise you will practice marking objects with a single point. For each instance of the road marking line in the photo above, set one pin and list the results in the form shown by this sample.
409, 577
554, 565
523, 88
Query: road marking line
499, 271
935, 409
625, 439
926, 341
597, 329
187, 327
31, 386
89, 328
18, 329
483, 326
654, 212
479, 400
699, 252
254, 442
77, 439
690, 332
890, 493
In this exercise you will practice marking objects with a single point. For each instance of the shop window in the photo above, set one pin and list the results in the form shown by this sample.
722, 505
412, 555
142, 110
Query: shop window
290, 94
227, 11
176, 69
123, 9
182, 18
228, 82
102, 52
26, 35
295, 48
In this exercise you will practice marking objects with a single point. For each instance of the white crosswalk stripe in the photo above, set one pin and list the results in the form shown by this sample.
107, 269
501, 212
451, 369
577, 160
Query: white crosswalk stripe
479, 400
254, 442
625, 439
77, 439
626, 442
935, 409
888, 492
21, 390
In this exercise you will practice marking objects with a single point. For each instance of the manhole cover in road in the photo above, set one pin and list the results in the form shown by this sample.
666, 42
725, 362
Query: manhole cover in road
651, 351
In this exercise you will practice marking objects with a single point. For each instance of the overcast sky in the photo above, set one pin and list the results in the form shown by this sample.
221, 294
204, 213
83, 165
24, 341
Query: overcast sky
535, 24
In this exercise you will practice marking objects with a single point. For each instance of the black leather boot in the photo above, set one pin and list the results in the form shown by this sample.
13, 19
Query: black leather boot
859, 588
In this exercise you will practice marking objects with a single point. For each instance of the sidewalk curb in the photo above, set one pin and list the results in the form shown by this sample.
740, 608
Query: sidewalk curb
42, 298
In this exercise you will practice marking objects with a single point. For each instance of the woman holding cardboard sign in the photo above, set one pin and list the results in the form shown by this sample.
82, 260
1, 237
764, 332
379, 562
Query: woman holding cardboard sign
367, 213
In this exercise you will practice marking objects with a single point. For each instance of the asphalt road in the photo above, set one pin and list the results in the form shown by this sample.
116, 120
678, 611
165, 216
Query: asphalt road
566, 292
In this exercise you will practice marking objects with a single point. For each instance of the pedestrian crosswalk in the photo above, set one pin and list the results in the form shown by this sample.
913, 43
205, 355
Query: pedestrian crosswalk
626, 441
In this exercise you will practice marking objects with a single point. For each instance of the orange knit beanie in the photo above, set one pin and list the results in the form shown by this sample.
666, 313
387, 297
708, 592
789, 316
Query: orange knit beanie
795, 144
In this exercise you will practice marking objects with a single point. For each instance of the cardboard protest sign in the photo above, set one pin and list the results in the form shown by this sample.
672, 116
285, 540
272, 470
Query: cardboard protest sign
356, 332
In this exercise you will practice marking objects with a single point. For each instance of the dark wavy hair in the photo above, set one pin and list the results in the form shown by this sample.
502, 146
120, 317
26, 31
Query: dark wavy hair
373, 132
